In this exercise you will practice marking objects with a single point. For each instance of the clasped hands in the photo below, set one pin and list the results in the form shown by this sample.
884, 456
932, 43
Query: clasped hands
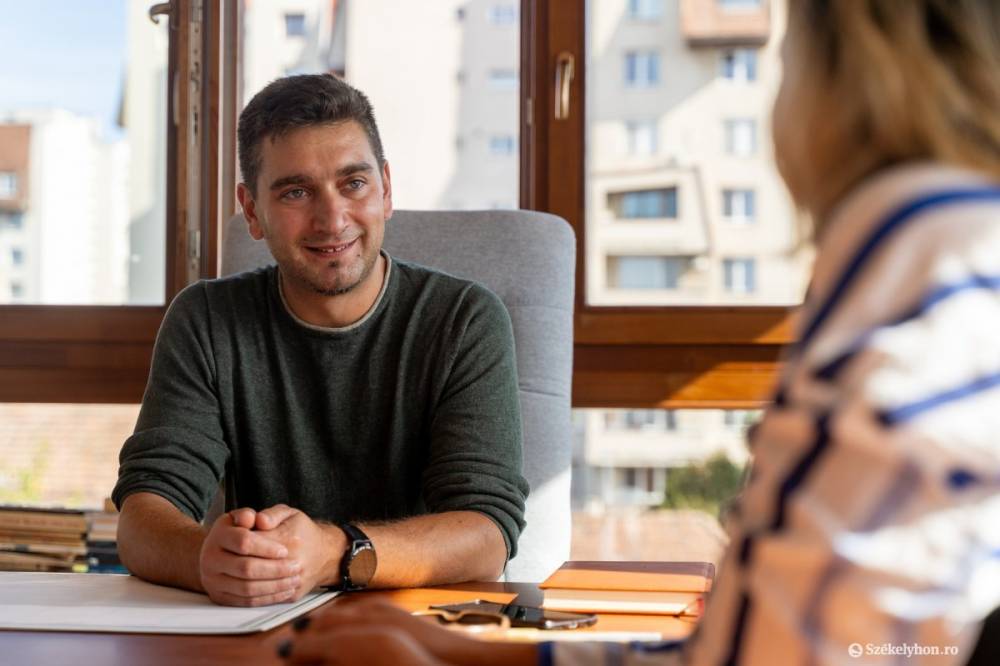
257, 558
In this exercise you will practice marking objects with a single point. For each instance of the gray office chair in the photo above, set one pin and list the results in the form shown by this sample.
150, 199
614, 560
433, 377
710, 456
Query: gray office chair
528, 259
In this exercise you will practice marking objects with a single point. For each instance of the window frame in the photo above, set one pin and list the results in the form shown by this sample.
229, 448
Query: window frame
638, 357
101, 353
725, 357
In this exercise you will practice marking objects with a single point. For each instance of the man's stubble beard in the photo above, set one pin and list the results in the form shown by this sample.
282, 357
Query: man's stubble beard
301, 275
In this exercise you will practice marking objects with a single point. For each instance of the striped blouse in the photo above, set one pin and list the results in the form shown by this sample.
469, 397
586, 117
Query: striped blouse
869, 531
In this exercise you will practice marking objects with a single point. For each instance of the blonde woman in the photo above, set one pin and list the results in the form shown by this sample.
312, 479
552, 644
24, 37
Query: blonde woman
871, 524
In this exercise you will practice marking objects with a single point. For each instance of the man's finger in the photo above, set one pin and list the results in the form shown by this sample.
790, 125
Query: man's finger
249, 589
241, 541
227, 599
273, 516
241, 517
256, 568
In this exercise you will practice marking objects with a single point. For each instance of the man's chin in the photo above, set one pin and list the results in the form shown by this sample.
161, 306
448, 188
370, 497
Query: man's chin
333, 290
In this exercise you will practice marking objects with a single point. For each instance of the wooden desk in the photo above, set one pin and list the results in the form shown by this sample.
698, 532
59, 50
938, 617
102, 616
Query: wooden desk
40, 648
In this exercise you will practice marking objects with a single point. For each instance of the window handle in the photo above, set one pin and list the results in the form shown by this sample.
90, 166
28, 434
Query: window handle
564, 77
157, 10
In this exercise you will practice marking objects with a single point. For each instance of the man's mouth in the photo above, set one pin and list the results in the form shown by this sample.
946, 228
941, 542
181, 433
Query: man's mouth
328, 250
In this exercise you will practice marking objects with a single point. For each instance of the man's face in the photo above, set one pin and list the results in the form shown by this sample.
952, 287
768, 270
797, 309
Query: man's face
321, 205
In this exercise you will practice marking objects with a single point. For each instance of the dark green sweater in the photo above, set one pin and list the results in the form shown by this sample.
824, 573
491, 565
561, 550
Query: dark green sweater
412, 410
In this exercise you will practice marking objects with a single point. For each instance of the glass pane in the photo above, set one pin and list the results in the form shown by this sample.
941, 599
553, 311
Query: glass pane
684, 204
442, 77
655, 484
82, 153
61, 455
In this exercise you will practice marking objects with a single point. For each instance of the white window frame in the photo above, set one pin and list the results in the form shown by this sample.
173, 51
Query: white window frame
642, 138
504, 79
740, 275
738, 65
502, 145
289, 17
741, 137
739, 205
501, 14
645, 10
8, 184
666, 271
642, 69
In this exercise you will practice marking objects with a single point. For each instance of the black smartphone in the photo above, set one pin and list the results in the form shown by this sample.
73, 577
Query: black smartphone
525, 616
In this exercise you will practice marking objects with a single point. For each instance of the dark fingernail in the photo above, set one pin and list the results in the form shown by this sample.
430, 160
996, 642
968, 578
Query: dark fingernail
284, 649
301, 623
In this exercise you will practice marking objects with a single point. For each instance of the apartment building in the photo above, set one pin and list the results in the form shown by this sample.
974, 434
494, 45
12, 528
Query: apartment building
63, 210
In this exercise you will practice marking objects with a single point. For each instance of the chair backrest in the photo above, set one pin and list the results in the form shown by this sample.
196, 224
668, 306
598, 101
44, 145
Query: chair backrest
528, 259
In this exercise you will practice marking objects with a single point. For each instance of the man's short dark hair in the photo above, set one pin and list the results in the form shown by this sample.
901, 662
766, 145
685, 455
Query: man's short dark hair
303, 100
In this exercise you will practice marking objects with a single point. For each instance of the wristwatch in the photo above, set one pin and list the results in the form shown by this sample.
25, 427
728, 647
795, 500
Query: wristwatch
358, 565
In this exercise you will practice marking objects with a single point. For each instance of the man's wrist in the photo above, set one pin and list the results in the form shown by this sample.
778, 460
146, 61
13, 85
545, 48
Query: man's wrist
333, 549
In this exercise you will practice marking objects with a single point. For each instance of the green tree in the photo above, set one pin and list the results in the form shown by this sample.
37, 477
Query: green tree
707, 487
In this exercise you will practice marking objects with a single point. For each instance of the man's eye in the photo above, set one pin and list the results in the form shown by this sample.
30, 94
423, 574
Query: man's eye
297, 193
356, 184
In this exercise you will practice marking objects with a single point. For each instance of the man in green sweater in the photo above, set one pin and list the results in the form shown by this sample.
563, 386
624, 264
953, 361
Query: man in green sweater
362, 410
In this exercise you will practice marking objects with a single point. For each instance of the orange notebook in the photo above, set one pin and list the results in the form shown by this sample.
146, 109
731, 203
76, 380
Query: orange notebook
672, 588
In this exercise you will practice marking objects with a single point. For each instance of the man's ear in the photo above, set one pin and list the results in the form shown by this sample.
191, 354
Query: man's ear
249, 206
386, 192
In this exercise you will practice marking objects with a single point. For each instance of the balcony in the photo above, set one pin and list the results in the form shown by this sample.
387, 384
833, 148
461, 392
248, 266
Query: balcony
725, 22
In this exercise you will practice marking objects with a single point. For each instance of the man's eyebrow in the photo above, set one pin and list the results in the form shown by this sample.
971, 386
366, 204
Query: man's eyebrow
294, 179
353, 168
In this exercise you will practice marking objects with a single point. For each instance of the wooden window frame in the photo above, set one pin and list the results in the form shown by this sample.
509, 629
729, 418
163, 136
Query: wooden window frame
101, 354
671, 357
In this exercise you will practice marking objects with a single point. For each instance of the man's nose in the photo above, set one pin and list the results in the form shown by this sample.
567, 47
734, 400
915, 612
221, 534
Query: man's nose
331, 213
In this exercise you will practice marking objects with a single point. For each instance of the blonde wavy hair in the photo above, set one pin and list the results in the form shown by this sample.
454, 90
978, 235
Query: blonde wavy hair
871, 83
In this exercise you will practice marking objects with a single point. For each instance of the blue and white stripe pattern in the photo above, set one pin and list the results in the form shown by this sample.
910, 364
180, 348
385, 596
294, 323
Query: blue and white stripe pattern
873, 512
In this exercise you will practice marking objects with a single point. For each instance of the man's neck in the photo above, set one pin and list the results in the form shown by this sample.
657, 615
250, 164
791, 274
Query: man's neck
335, 311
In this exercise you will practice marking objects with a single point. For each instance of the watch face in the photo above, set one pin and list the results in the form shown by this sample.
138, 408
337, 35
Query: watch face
362, 566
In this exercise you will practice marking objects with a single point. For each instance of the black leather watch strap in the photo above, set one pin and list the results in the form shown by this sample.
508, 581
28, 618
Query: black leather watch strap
358, 564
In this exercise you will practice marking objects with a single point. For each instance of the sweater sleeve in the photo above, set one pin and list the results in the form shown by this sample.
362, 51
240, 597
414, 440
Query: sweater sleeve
475, 449
177, 450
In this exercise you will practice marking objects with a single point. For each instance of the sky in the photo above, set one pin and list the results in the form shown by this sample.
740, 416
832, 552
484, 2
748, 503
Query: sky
68, 54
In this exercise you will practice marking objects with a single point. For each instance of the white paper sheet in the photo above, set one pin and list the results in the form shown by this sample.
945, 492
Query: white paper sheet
122, 603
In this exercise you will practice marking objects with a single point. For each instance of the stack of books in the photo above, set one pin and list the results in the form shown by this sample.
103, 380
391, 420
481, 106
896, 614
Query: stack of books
102, 542
660, 588
33, 539
52, 539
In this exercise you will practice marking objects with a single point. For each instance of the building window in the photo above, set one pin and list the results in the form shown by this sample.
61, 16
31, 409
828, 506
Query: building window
741, 137
644, 204
505, 14
642, 137
739, 206
645, 10
739, 4
16, 289
739, 65
740, 275
642, 69
295, 25
502, 144
650, 420
647, 272
16, 256
739, 419
503, 79
8, 184
10, 220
